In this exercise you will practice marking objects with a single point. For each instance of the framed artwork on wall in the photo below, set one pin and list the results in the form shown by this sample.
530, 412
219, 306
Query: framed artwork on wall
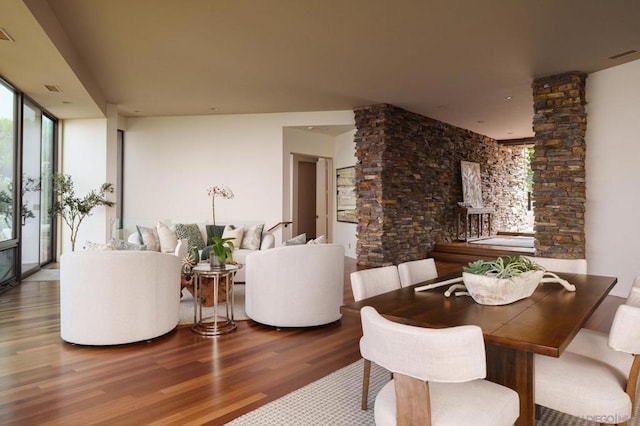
346, 197
471, 184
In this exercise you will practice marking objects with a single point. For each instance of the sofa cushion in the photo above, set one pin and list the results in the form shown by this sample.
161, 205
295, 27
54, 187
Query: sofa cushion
191, 233
213, 231
167, 237
252, 237
149, 237
231, 231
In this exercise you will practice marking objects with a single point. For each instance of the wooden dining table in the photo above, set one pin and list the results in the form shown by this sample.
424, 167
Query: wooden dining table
544, 323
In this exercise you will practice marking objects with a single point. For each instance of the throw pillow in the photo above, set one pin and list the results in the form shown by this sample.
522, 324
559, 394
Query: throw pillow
231, 231
191, 233
206, 252
252, 237
149, 237
124, 245
213, 231
97, 246
295, 241
320, 240
167, 237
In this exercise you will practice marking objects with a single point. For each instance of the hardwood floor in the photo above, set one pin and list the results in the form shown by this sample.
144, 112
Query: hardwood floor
180, 378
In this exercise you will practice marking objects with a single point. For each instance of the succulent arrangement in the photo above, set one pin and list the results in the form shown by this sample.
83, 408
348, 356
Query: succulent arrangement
502, 267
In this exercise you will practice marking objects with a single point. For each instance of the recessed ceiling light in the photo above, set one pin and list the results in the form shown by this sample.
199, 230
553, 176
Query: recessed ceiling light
622, 54
508, 98
310, 127
4, 35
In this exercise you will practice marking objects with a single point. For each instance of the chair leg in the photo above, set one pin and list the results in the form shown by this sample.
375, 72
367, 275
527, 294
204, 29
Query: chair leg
365, 383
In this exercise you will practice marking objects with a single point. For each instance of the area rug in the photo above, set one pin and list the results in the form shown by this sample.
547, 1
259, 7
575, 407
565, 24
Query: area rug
186, 307
335, 400
44, 275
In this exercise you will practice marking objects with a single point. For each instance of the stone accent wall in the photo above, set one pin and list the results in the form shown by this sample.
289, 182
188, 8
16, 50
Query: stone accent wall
559, 123
408, 183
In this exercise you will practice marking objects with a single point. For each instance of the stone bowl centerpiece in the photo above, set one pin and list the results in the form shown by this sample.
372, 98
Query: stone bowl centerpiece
506, 280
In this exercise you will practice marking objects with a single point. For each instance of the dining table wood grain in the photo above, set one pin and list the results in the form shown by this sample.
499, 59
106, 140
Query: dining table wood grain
544, 323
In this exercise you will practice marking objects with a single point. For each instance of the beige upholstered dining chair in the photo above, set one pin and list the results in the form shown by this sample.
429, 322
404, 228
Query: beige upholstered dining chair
374, 281
634, 294
438, 375
594, 382
417, 271
369, 283
570, 266
595, 344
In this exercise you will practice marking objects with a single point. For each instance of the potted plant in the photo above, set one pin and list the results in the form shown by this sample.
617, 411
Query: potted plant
74, 209
504, 280
221, 251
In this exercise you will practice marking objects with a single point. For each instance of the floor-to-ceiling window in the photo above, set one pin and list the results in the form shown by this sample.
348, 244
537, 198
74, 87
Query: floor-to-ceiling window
38, 133
27, 158
8, 184
46, 189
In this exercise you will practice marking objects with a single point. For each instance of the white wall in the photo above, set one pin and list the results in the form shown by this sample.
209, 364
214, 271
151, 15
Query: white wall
345, 156
613, 174
171, 161
84, 157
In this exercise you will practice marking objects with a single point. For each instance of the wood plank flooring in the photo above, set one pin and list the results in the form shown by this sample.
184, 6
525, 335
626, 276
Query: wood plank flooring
177, 379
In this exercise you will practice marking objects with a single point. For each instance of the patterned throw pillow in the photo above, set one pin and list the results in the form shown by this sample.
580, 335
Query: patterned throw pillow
296, 241
97, 246
149, 237
252, 237
124, 245
191, 233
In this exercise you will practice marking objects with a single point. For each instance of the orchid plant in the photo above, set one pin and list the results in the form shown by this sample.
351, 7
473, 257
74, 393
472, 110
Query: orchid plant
214, 192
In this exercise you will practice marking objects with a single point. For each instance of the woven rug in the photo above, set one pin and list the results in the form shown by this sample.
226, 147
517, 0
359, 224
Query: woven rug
335, 400
186, 307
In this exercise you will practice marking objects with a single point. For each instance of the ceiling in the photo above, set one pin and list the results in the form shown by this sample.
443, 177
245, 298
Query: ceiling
457, 61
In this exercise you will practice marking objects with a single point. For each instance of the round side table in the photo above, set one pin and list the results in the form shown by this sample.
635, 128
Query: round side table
218, 323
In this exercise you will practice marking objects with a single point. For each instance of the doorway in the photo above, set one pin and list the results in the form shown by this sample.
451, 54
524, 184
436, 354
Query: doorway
311, 201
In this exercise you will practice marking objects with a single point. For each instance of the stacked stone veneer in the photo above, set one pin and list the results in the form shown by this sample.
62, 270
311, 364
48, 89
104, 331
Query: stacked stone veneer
408, 183
559, 123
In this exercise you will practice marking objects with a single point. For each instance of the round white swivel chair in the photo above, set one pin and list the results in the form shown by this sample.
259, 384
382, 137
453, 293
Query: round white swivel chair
116, 297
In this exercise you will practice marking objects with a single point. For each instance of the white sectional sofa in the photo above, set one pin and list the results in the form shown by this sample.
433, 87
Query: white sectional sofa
180, 247
111, 297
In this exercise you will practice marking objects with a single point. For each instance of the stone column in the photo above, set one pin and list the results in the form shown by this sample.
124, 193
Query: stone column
370, 144
559, 191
